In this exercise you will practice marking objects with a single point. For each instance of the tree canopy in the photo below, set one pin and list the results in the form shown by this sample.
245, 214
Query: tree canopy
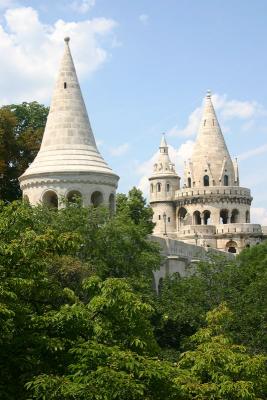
79, 318
21, 131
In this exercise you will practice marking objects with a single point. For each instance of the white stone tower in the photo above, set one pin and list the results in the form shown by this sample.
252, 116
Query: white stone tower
163, 183
69, 163
211, 209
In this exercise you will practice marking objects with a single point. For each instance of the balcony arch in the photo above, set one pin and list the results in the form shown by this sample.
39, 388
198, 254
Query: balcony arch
97, 198
206, 217
182, 213
224, 216
74, 197
234, 216
50, 199
196, 218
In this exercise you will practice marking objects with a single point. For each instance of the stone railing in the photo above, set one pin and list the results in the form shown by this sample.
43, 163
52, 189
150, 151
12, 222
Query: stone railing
212, 190
238, 228
197, 229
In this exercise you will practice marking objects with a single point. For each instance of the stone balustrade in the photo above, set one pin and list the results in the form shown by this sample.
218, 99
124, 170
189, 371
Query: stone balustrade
212, 190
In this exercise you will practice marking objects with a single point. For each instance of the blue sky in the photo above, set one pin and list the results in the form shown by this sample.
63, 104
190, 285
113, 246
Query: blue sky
144, 68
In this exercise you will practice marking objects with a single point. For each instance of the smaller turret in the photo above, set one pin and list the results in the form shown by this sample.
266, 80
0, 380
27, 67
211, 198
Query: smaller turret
163, 183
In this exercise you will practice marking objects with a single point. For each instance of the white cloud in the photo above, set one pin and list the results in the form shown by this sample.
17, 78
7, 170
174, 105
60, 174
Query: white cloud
30, 52
119, 150
191, 127
258, 215
7, 4
177, 156
143, 18
230, 109
226, 109
82, 6
254, 152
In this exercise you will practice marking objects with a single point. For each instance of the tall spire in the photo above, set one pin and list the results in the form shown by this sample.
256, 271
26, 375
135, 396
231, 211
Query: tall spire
210, 154
164, 165
68, 143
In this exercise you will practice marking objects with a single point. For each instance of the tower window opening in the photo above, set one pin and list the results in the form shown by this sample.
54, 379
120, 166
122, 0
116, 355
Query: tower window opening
159, 217
226, 180
204, 122
65, 85
182, 213
151, 188
159, 187
206, 180
168, 187
247, 217
206, 215
196, 218
231, 247
97, 198
169, 219
224, 216
234, 216
50, 199
74, 197
213, 122
189, 182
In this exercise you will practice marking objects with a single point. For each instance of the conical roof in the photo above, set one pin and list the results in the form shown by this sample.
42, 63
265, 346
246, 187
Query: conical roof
210, 153
164, 166
68, 143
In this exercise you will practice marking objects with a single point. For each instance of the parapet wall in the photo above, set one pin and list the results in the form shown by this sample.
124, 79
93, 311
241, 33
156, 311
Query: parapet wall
213, 190
179, 255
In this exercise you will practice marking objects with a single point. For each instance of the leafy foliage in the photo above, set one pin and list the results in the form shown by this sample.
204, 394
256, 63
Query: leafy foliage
79, 318
21, 131
218, 369
134, 206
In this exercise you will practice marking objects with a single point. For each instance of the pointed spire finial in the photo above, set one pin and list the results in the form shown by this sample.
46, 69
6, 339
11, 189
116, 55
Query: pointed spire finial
208, 95
163, 142
67, 39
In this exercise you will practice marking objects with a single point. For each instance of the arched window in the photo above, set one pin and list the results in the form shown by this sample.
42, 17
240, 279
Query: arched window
196, 218
151, 188
74, 197
247, 217
50, 199
65, 85
226, 180
206, 180
158, 187
182, 212
231, 246
224, 216
234, 216
206, 215
167, 187
111, 203
189, 182
97, 198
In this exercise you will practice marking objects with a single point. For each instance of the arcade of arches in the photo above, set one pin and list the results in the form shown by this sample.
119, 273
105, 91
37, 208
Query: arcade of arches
204, 217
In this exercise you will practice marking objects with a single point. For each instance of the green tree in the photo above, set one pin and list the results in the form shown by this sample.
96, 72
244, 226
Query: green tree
218, 369
44, 310
21, 131
134, 205
242, 283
